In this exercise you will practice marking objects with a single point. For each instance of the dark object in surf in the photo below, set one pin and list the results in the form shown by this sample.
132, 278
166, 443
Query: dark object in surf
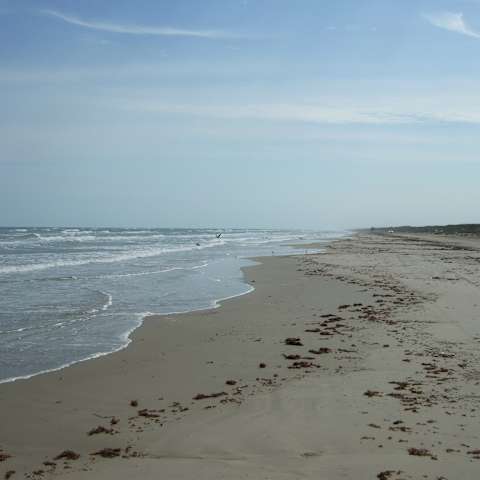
295, 341
231, 382
262, 365
134, 403
9, 474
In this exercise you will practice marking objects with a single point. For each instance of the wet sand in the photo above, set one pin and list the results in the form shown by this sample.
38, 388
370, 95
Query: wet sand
379, 378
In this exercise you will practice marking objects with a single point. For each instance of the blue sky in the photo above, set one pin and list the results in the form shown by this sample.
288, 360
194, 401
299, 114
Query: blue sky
268, 113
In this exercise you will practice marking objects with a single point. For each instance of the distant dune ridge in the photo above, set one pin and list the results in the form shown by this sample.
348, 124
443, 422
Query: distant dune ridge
457, 229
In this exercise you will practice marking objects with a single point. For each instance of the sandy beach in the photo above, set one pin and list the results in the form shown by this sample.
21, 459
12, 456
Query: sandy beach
357, 363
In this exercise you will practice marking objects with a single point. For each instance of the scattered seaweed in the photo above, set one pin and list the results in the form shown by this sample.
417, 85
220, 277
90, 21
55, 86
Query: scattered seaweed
373, 393
421, 452
385, 475
201, 396
294, 341
100, 429
68, 455
321, 351
292, 356
302, 364
108, 452
148, 413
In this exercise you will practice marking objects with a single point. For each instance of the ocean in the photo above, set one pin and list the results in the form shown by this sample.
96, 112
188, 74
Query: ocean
70, 294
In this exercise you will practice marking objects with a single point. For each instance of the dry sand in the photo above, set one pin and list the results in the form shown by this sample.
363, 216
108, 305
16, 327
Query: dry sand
394, 323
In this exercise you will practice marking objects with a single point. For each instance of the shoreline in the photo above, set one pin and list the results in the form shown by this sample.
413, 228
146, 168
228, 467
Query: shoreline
214, 393
215, 303
128, 339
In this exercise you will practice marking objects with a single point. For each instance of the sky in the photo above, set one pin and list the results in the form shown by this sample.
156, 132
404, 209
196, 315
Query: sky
239, 113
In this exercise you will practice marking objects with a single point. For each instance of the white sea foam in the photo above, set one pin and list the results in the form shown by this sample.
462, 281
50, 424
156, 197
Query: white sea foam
125, 342
129, 238
196, 267
123, 257
109, 301
15, 330
34, 238
67, 238
61, 367
81, 236
151, 272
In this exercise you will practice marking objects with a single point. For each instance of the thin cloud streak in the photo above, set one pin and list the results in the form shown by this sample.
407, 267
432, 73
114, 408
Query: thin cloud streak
138, 29
451, 21
130, 71
315, 114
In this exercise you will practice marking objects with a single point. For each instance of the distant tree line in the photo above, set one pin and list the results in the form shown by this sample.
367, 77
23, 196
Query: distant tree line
460, 229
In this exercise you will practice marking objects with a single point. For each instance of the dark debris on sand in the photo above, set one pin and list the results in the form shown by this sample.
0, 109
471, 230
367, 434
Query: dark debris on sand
108, 452
321, 351
201, 396
292, 356
67, 455
101, 429
421, 452
302, 364
385, 475
294, 341
373, 393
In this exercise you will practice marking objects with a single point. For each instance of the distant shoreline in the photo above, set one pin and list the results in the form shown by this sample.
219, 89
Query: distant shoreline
454, 229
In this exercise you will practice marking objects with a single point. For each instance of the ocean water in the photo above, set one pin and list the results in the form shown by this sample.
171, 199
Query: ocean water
69, 294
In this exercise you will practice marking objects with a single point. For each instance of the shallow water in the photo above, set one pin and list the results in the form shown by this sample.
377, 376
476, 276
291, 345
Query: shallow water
71, 294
